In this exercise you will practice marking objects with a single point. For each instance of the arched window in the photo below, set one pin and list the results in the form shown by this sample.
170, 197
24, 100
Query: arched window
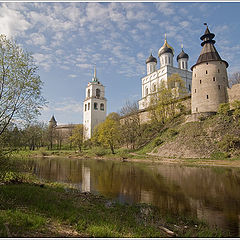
95, 106
154, 88
97, 92
85, 107
189, 88
88, 106
182, 64
146, 91
88, 93
102, 106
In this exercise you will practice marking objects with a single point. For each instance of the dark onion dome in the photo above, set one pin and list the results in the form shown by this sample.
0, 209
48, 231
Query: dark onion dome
209, 52
151, 59
166, 48
181, 55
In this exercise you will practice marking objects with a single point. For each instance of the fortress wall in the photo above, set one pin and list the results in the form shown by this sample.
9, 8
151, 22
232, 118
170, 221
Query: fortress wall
234, 93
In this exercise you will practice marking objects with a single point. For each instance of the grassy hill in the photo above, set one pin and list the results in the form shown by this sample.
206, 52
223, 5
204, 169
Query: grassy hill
213, 137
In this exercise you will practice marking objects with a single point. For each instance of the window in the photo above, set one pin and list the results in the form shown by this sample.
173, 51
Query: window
207, 63
169, 61
206, 71
154, 87
214, 79
102, 106
218, 71
182, 64
88, 106
219, 87
88, 93
207, 96
195, 74
220, 62
97, 92
165, 60
95, 106
195, 90
189, 88
196, 109
200, 81
85, 107
146, 92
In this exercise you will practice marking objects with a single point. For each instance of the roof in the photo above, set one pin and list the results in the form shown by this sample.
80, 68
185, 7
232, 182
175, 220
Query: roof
53, 119
166, 48
181, 55
209, 52
151, 59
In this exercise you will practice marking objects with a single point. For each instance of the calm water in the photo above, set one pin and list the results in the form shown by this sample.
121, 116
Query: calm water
211, 194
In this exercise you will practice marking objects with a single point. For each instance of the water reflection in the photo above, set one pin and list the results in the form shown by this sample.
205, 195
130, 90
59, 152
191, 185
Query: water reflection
211, 194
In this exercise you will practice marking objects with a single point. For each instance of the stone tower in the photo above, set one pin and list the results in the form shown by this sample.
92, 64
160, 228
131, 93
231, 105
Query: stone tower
52, 122
209, 78
94, 106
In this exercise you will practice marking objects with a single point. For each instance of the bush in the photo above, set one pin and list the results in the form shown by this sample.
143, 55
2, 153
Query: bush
219, 155
172, 132
229, 143
157, 141
99, 152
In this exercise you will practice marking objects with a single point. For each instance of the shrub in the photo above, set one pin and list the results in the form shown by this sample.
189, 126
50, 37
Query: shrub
99, 151
157, 141
219, 155
229, 143
224, 111
172, 132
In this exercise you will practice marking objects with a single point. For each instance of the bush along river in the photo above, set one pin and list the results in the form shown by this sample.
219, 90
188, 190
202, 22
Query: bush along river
210, 194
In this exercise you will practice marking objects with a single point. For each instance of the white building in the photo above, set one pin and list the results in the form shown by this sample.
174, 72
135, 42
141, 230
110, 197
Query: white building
155, 76
94, 106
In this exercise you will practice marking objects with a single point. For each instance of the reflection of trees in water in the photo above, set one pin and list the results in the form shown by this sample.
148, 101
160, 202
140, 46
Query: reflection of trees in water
209, 193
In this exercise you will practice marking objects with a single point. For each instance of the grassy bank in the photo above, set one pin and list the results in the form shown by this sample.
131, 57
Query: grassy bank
30, 208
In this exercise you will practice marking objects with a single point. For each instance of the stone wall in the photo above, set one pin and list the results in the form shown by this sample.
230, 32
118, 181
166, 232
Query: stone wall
234, 93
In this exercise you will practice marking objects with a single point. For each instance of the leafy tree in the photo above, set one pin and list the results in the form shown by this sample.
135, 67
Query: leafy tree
164, 103
130, 124
20, 86
108, 133
77, 136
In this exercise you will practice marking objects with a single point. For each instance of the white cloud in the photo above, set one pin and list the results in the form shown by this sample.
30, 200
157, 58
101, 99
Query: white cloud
72, 75
84, 65
36, 39
12, 21
165, 8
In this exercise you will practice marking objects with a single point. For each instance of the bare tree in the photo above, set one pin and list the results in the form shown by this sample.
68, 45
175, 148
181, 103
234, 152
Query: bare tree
234, 79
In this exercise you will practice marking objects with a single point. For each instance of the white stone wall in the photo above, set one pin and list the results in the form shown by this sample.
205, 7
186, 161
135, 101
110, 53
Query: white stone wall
159, 76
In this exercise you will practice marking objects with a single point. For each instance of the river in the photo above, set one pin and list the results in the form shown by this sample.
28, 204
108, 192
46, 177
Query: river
211, 194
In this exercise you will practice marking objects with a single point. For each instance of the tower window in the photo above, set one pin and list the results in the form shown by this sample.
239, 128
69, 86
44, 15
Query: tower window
207, 96
85, 107
206, 71
189, 88
220, 62
182, 64
200, 81
95, 106
207, 63
214, 78
218, 71
165, 60
219, 87
88, 106
88, 93
97, 92
196, 109
102, 106
169, 61
195, 74
154, 87
195, 90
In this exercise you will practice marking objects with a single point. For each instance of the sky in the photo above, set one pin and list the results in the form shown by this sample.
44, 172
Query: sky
67, 39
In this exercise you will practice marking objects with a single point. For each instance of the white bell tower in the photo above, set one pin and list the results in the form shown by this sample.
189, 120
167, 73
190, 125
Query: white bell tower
94, 106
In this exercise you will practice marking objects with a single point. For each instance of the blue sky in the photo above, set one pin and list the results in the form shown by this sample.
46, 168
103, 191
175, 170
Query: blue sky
67, 39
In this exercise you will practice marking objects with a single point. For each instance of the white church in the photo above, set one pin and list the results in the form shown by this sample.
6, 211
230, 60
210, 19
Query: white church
94, 106
155, 76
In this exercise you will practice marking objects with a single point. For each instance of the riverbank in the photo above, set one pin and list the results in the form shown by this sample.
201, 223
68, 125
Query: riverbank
30, 208
133, 157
